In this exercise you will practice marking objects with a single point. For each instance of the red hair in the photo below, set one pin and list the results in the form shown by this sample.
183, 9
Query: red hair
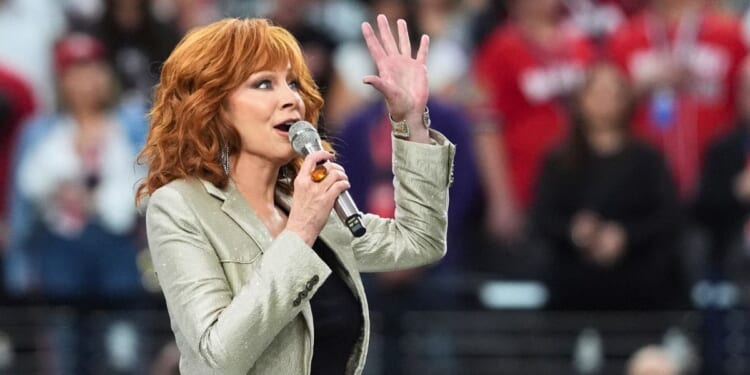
189, 119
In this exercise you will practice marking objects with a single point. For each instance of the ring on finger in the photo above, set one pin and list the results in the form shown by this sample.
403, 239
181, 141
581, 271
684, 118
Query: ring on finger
319, 173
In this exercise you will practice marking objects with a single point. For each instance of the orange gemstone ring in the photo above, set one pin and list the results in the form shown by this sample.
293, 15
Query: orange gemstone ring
319, 173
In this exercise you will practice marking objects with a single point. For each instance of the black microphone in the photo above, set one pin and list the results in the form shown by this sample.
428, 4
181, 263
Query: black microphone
305, 140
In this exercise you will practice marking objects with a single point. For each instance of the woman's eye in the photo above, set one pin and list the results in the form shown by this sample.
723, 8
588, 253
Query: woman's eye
264, 84
294, 85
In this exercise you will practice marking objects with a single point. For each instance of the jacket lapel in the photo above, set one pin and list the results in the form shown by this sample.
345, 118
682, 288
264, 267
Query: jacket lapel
238, 210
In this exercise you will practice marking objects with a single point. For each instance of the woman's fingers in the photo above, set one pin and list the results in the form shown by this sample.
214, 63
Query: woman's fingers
322, 171
424, 47
333, 182
332, 165
403, 38
336, 173
386, 45
307, 172
386, 36
376, 50
311, 161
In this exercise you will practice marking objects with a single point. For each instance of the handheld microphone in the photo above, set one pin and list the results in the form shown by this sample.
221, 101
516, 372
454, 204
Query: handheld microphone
305, 140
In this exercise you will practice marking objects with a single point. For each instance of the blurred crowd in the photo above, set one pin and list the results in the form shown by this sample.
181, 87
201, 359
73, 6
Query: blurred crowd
603, 147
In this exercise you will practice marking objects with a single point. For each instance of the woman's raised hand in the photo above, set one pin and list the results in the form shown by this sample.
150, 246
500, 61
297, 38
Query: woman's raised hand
401, 78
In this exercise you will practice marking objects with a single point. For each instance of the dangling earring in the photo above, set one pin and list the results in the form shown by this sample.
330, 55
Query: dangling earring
224, 157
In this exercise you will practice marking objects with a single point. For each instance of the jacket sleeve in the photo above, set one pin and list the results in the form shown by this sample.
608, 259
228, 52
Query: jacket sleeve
229, 332
417, 234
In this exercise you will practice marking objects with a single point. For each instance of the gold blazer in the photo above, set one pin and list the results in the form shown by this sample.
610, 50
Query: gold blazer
238, 299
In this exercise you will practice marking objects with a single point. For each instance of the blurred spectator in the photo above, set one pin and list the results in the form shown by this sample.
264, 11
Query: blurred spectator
606, 206
73, 217
167, 361
137, 44
525, 68
682, 56
723, 203
187, 14
651, 360
485, 16
317, 45
76, 169
29, 29
82, 14
737, 6
629, 7
16, 103
342, 17
598, 19
446, 25
364, 146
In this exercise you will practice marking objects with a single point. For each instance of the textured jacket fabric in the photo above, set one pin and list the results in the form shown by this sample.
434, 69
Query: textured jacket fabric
238, 299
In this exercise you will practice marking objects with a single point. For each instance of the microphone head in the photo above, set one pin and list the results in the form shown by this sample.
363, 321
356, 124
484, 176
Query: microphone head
304, 138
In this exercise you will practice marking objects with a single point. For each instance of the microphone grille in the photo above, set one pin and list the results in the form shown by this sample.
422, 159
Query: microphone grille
302, 133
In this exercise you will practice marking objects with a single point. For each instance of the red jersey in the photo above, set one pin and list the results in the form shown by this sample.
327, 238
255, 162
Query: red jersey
525, 83
709, 47
18, 103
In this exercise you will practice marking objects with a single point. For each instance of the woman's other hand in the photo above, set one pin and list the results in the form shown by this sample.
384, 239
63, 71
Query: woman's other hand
584, 226
609, 244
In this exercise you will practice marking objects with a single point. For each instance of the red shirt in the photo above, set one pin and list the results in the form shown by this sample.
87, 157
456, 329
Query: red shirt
19, 99
525, 83
704, 103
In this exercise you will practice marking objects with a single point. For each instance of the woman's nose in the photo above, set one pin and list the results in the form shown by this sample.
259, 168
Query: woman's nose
289, 97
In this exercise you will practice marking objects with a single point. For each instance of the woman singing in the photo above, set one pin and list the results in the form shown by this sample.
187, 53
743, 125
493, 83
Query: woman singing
260, 277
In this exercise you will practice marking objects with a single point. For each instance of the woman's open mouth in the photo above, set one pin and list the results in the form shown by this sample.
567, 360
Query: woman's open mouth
284, 127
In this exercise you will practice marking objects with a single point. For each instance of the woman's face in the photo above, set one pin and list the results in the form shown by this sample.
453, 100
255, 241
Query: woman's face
86, 85
262, 108
603, 99
128, 14
538, 8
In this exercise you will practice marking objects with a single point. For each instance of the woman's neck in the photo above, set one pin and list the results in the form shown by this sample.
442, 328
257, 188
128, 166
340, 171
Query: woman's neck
541, 30
605, 141
255, 179
88, 118
672, 11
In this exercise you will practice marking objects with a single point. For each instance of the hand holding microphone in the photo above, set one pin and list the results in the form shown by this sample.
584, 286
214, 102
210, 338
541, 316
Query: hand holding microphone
320, 181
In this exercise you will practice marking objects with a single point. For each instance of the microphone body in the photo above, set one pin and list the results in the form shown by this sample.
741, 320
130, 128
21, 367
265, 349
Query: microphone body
305, 140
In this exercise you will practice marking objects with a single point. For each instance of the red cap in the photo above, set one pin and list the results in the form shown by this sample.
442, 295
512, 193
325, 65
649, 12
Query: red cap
76, 48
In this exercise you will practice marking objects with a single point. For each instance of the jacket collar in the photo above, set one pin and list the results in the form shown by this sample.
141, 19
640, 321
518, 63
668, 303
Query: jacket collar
238, 210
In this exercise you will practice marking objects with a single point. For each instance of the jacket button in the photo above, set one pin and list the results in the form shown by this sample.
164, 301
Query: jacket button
302, 294
296, 302
315, 279
309, 286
